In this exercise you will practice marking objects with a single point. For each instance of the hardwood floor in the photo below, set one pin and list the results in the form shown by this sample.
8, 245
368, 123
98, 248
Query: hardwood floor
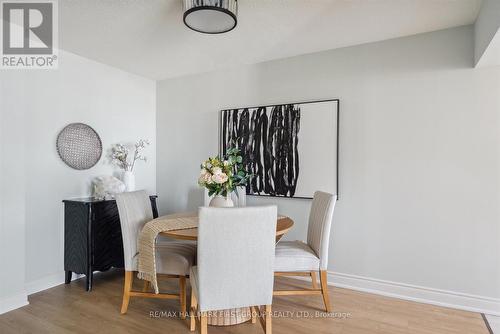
69, 309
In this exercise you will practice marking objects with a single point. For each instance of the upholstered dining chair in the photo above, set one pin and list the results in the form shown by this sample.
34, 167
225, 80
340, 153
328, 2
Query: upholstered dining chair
235, 263
239, 197
173, 259
296, 258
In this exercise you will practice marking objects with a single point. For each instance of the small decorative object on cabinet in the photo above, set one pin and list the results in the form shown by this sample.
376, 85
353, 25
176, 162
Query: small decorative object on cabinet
105, 187
119, 156
129, 180
222, 176
93, 237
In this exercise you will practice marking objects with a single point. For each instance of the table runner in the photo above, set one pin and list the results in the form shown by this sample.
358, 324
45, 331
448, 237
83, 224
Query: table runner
147, 240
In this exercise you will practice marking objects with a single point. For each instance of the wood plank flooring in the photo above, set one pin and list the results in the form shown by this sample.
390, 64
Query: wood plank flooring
69, 309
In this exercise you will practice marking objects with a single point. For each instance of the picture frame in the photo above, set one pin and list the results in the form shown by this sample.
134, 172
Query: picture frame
278, 141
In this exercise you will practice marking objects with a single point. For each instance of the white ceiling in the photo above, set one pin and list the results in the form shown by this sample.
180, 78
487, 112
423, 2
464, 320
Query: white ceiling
148, 37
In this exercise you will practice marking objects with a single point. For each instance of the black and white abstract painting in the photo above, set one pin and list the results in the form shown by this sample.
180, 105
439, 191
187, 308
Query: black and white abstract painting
291, 149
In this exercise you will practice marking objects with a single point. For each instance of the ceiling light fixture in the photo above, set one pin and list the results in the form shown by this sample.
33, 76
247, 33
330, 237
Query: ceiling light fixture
211, 16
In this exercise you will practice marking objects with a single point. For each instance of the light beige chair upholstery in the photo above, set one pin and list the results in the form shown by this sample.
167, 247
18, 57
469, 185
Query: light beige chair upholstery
235, 261
173, 259
239, 197
296, 258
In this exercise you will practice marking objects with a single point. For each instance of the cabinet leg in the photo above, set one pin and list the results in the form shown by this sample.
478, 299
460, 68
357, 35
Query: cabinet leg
69, 275
89, 281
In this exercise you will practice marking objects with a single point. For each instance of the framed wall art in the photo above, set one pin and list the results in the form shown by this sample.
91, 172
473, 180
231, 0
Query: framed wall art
291, 149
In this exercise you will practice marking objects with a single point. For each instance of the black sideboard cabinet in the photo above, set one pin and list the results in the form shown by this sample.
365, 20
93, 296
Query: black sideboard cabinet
93, 236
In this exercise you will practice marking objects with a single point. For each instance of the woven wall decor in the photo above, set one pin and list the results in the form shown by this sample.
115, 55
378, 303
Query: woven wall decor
79, 146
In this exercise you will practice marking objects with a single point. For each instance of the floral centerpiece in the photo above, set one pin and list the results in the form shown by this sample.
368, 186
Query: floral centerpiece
120, 156
221, 176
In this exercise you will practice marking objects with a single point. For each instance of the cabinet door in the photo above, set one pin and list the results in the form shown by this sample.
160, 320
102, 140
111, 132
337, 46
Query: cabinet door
107, 241
75, 237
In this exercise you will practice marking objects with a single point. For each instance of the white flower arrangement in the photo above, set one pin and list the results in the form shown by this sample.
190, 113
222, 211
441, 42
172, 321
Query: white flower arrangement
120, 155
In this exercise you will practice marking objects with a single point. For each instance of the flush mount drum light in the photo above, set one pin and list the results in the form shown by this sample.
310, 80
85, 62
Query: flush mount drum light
210, 16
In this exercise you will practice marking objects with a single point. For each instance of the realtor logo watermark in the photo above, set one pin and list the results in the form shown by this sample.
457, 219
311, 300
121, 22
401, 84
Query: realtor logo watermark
29, 34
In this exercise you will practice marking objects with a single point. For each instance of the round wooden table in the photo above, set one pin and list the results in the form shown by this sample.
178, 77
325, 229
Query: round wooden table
231, 316
283, 225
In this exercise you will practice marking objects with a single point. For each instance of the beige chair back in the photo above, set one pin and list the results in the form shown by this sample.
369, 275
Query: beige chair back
135, 210
320, 222
236, 257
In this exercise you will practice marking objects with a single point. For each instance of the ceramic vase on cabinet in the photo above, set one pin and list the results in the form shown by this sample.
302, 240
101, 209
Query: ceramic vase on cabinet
129, 180
219, 201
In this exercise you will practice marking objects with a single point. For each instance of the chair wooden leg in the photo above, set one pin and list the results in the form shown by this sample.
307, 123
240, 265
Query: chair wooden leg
204, 323
268, 318
182, 296
324, 290
127, 287
314, 279
146, 286
192, 312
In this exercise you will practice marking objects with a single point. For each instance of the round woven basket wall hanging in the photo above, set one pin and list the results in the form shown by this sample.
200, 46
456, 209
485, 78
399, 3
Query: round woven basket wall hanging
79, 146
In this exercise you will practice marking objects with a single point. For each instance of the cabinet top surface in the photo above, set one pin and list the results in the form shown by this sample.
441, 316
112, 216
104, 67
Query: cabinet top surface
91, 200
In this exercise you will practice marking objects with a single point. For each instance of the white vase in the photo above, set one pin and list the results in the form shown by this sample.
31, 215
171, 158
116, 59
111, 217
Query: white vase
129, 180
219, 201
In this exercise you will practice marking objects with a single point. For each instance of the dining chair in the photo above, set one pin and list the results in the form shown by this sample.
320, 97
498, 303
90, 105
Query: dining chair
173, 259
296, 258
235, 263
239, 197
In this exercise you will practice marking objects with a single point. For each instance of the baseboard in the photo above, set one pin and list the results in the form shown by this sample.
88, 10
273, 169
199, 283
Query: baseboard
47, 282
12, 302
457, 300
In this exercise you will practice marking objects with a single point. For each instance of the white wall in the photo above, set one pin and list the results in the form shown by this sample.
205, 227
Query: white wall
12, 194
419, 154
118, 105
485, 29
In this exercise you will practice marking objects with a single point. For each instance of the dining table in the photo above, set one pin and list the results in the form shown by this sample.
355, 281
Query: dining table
230, 316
